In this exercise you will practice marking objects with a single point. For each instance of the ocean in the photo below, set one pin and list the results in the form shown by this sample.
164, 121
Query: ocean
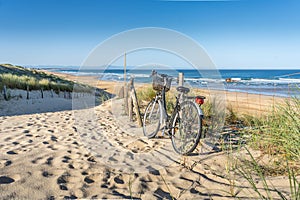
284, 83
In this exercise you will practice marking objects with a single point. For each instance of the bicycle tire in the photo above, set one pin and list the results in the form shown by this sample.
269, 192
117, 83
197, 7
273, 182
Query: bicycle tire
184, 138
151, 120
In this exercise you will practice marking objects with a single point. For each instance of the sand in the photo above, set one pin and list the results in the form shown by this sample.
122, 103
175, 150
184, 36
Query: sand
44, 156
93, 151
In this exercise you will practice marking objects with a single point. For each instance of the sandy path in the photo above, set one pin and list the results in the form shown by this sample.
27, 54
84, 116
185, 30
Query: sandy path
43, 156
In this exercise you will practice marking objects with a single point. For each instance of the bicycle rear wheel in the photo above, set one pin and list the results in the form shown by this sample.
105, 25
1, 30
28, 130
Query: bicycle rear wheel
186, 128
151, 121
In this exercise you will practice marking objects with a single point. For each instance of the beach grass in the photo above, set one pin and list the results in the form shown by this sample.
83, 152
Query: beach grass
146, 94
16, 77
277, 134
251, 169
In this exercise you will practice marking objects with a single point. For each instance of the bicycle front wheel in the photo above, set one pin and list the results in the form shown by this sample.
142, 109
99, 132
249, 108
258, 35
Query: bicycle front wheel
186, 128
151, 121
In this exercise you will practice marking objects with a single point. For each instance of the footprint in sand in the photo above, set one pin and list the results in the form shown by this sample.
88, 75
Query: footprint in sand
6, 180
70, 197
5, 163
141, 146
11, 153
119, 180
71, 166
53, 138
88, 180
8, 162
46, 174
26, 131
66, 159
62, 181
49, 161
63, 187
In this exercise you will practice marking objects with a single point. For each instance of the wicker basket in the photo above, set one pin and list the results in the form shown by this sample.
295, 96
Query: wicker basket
158, 82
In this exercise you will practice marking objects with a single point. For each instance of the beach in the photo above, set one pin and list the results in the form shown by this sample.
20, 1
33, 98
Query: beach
157, 99
95, 152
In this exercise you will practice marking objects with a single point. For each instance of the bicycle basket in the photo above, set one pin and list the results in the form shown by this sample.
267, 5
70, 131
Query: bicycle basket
158, 82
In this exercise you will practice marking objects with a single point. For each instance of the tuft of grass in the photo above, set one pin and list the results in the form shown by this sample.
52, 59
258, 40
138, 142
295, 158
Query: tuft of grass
255, 169
145, 94
278, 133
44, 84
231, 116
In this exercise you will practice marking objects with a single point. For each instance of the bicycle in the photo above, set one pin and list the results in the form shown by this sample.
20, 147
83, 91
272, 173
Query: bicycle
184, 126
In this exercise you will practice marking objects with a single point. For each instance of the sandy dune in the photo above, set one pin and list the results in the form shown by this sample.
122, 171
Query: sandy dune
48, 156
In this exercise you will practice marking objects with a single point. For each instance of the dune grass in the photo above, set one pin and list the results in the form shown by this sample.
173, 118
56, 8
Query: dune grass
146, 94
16, 77
278, 134
251, 170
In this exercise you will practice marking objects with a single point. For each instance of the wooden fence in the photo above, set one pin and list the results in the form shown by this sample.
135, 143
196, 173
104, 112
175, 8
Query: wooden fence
131, 105
61, 94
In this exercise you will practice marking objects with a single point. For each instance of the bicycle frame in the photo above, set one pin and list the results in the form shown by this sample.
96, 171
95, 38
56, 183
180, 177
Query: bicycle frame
160, 98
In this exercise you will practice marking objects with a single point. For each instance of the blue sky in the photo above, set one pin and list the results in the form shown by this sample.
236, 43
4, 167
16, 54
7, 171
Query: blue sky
236, 34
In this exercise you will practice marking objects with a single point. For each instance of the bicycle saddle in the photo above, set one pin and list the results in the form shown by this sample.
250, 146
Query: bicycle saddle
182, 89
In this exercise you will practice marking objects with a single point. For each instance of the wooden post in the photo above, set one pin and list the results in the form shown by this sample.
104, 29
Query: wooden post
52, 93
5, 93
137, 108
42, 92
130, 109
135, 103
125, 88
27, 92
129, 105
180, 79
65, 94
121, 92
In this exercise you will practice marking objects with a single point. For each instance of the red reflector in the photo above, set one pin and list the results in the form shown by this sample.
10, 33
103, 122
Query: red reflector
199, 100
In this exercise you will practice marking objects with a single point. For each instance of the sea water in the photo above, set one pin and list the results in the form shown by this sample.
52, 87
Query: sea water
283, 83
